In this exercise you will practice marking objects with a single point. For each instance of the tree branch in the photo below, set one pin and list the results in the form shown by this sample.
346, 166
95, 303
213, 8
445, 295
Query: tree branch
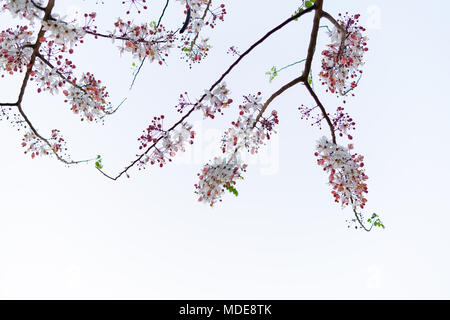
221, 78
304, 77
162, 14
313, 40
276, 94
322, 108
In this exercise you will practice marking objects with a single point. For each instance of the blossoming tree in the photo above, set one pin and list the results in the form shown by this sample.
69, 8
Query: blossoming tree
41, 48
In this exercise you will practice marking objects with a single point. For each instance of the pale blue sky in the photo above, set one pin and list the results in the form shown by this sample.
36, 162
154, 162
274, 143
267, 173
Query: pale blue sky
71, 233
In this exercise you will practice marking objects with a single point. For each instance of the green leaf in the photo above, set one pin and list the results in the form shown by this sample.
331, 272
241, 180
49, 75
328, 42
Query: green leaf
231, 188
308, 4
272, 73
98, 163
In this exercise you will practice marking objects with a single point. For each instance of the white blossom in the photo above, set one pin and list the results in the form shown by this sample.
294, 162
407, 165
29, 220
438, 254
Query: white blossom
215, 175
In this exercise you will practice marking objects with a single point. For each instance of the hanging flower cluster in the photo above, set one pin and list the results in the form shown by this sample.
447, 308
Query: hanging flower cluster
62, 33
167, 143
15, 49
24, 8
245, 133
216, 176
341, 62
37, 147
346, 174
215, 101
88, 98
145, 40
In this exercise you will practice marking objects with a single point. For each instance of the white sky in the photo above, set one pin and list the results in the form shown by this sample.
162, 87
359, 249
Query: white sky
71, 233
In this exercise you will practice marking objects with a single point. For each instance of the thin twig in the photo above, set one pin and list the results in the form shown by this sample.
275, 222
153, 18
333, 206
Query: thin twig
162, 14
322, 108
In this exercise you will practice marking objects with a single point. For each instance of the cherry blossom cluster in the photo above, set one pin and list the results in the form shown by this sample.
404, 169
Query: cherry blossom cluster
54, 56
46, 79
341, 61
145, 40
88, 98
37, 147
62, 33
15, 49
245, 133
24, 8
214, 177
167, 142
200, 14
215, 101
153, 132
346, 173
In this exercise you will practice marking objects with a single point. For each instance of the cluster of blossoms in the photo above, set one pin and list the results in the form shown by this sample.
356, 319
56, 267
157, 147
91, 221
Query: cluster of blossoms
15, 50
346, 173
145, 40
245, 133
167, 143
54, 56
215, 101
87, 97
341, 62
215, 176
199, 14
38, 147
24, 8
62, 33
47, 79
